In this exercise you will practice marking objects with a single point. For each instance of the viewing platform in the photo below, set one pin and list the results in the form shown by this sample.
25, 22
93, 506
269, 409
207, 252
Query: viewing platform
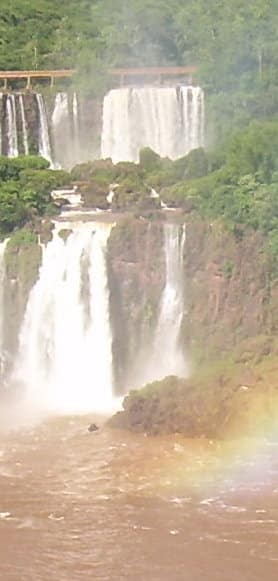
30, 76
124, 75
156, 74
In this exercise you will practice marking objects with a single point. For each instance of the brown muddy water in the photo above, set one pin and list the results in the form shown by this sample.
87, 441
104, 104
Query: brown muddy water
117, 507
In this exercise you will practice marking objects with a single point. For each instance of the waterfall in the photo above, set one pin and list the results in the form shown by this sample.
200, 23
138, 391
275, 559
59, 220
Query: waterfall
44, 140
24, 125
192, 115
11, 126
169, 120
65, 353
76, 127
60, 128
2, 280
166, 356
66, 131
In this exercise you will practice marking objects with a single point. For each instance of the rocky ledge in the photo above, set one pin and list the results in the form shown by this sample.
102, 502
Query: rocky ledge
238, 400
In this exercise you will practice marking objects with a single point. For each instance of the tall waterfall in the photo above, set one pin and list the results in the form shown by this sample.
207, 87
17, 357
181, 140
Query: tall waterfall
66, 130
166, 356
65, 353
44, 140
12, 127
2, 279
169, 120
24, 126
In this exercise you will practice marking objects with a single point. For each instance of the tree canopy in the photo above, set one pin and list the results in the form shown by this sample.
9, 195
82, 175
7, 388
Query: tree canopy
230, 40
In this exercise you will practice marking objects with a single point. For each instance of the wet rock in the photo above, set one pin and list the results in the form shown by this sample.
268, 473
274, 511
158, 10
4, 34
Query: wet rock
217, 407
95, 195
93, 428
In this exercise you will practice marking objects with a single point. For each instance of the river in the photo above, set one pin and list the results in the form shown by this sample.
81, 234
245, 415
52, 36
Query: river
111, 506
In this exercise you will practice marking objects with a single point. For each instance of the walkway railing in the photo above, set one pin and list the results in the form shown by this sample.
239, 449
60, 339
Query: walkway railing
124, 75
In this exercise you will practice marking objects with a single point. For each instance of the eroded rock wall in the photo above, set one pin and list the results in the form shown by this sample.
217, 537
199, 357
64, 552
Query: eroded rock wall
230, 297
230, 294
22, 261
136, 270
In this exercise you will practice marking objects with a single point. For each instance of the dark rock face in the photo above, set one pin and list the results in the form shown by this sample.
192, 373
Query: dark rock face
229, 293
136, 273
229, 297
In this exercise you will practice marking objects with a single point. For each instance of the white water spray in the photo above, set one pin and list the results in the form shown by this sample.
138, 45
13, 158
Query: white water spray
11, 126
66, 130
24, 125
166, 356
65, 357
44, 140
76, 127
169, 120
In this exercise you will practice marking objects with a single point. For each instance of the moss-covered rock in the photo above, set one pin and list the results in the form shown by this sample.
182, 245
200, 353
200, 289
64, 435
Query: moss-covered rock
22, 258
223, 401
149, 160
45, 228
100, 170
94, 195
65, 233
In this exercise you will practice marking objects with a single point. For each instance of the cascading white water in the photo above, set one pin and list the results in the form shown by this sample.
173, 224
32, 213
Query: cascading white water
66, 131
60, 128
166, 356
169, 120
24, 126
65, 355
2, 280
12, 126
44, 140
76, 127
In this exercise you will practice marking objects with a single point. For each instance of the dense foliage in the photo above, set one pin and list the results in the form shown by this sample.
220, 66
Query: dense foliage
25, 187
234, 43
236, 184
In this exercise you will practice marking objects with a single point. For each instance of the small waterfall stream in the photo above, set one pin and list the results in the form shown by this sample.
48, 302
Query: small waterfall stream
166, 342
65, 353
12, 127
44, 140
66, 130
24, 126
166, 356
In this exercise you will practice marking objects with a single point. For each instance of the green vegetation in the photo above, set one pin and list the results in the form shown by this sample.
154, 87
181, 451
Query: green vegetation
25, 187
215, 402
239, 185
236, 184
234, 44
23, 237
